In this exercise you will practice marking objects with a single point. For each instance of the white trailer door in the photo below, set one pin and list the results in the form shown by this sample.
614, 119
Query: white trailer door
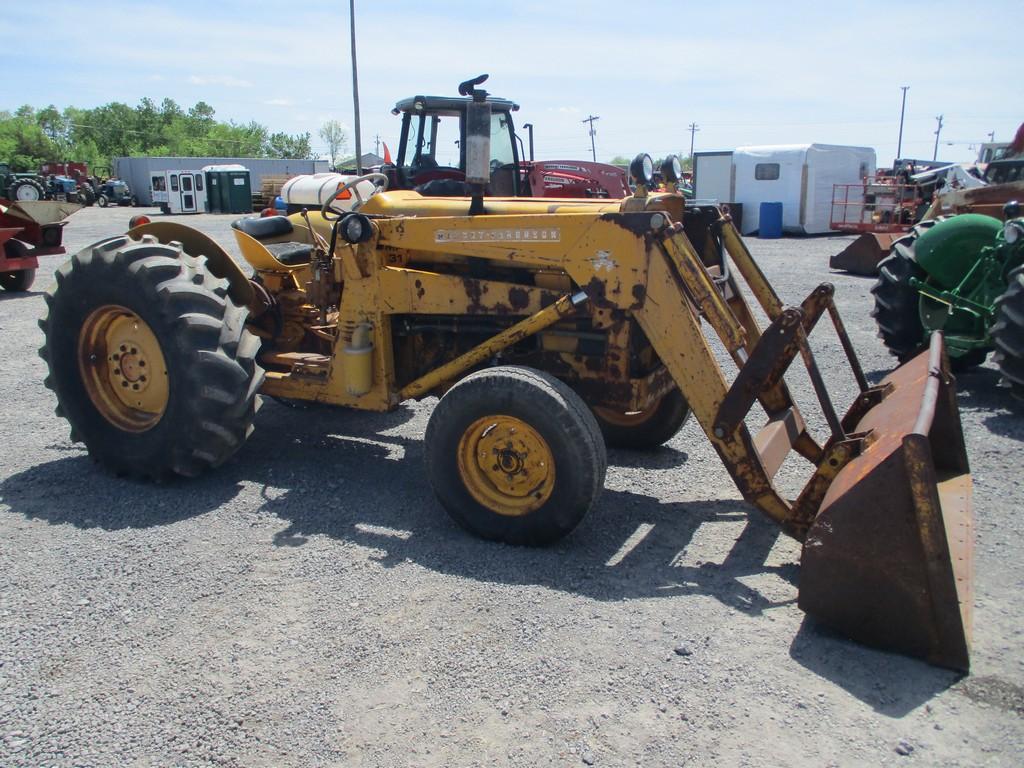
188, 195
713, 177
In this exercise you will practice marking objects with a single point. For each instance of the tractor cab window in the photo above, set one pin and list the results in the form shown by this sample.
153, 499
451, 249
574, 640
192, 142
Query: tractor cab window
501, 140
432, 141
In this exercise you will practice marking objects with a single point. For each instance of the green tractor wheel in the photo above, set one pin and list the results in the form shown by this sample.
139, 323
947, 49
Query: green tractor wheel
1008, 333
896, 302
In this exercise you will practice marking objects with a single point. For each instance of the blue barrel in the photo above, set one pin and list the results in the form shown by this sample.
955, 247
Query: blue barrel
770, 220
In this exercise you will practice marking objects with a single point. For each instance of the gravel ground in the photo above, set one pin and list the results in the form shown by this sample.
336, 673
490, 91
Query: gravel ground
309, 604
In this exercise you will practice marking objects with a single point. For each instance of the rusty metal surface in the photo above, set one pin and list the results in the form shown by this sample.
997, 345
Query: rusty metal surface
887, 560
764, 368
861, 257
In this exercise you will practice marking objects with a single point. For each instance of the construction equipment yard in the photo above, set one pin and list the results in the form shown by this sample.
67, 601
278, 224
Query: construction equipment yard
310, 602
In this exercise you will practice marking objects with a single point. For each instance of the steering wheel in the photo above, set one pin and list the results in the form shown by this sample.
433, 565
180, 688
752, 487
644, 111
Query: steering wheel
379, 181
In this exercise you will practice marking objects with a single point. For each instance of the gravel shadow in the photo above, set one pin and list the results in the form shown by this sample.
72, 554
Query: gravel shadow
12, 295
73, 490
336, 475
891, 684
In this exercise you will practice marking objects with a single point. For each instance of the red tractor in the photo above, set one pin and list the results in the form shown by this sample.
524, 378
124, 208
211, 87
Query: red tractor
29, 230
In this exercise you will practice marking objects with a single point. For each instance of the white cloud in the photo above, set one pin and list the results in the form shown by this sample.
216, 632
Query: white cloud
279, 102
227, 81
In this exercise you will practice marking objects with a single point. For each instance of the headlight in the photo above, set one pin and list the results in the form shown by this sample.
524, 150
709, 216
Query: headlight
642, 169
672, 169
355, 228
1012, 231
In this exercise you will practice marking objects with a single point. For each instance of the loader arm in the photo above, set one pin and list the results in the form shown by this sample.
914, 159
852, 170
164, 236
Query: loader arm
886, 515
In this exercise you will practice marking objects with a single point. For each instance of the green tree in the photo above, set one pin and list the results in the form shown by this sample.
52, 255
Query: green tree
335, 137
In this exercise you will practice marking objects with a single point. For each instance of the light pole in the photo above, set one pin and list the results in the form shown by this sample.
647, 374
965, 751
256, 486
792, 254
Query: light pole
903, 107
355, 88
693, 129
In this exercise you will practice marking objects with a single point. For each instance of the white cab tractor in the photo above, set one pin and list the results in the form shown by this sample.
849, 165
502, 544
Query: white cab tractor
311, 191
179, 191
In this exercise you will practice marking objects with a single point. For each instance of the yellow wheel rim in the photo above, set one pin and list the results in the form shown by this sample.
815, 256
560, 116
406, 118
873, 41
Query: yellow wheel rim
506, 465
627, 419
123, 368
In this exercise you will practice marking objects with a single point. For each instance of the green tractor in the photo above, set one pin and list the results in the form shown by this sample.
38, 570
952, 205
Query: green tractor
962, 275
21, 187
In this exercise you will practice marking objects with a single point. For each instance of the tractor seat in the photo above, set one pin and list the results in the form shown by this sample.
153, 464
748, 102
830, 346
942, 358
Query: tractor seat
262, 227
292, 254
289, 253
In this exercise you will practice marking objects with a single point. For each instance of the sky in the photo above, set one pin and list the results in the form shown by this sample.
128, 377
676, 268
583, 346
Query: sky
745, 72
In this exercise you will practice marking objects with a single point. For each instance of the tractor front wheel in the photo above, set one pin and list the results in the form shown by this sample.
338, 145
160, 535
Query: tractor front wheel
102, 200
18, 281
896, 309
1008, 333
644, 430
149, 359
514, 455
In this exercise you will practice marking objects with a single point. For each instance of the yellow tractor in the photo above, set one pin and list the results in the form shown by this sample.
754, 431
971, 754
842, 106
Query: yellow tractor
548, 328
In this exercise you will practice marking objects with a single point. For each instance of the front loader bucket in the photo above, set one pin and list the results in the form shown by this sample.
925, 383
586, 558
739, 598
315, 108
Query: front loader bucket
861, 257
887, 560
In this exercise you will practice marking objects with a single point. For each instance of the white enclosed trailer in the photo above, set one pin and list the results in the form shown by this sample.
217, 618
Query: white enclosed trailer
179, 191
801, 177
712, 176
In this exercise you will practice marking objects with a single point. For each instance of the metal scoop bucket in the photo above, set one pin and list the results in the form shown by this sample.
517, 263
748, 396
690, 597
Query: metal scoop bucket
887, 560
861, 257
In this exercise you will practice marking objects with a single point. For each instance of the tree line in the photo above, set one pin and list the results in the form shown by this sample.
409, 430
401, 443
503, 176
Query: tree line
30, 136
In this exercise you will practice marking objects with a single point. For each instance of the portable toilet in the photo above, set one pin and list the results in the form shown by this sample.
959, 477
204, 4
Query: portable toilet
179, 191
230, 188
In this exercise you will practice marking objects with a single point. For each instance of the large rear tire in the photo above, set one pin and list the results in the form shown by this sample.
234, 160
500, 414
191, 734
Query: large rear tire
644, 430
149, 359
1008, 333
515, 455
896, 309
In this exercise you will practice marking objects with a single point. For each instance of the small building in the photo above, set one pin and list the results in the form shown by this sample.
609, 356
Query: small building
179, 191
139, 171
800, 176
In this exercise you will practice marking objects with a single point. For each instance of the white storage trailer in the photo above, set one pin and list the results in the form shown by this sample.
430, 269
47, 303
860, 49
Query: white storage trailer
712, 176
179, 191
801, 177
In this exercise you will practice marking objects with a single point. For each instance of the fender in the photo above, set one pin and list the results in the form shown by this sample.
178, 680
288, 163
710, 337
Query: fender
196, 243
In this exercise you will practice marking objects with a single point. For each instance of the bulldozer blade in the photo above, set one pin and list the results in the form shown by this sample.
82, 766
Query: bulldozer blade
861, 257
888, 558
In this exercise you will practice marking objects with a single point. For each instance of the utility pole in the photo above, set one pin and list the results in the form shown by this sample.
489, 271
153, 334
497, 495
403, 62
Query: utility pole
991, 136
693, 129
355, 87
376, 145
590, 119
938, 130
903, 108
